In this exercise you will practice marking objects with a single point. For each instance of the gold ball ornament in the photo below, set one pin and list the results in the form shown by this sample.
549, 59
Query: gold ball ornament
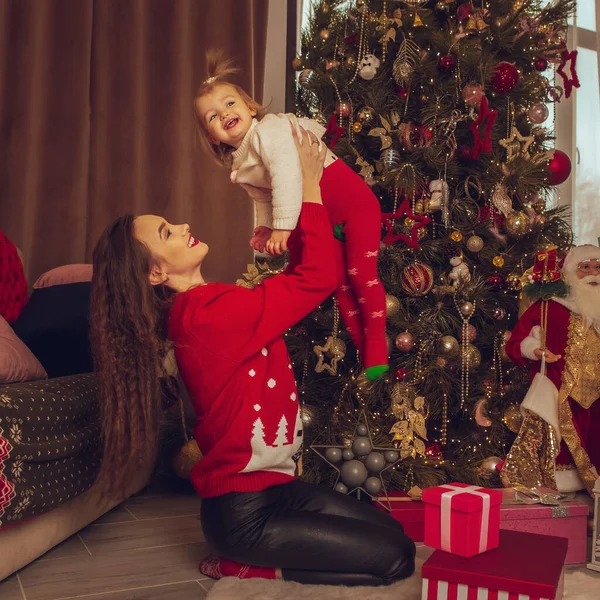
357, 126
297, 63
448, 347
307, 414
467, 308
366, 115
513, 282
473, 356
338, 348
498, 261
350, 62
512, 418
456, 236
489, 464
517, 223
392, 305
186, 458
324, 34
474, 244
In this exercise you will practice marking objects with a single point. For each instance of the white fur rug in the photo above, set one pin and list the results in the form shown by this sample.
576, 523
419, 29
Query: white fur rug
230, 588
580, 584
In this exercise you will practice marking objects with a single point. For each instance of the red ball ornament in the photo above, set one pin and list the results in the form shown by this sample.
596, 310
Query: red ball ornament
343, 108
559, 168
434, 450
417, 279
401, 92
447, 63
505, 78
540, 64
496, 281
401, 374
463, 11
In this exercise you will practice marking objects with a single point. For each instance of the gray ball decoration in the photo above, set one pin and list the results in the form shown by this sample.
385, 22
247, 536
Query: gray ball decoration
341, 488
353, 473
333, 455
375, 462
361, 446
347, 454
391, 456
373, 485
362, 429
390, 159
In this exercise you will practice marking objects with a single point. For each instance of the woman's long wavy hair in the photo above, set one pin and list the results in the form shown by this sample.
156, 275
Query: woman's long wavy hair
129, 343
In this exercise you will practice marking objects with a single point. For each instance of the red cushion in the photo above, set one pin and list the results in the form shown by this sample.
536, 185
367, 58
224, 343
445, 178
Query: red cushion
13, 285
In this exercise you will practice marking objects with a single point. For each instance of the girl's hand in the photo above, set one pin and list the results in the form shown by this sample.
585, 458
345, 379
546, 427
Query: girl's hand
550, 356
261, 236
277, 243
312, 155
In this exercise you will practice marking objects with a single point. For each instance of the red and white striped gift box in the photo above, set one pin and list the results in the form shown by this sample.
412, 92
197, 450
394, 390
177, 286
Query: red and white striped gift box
525, 566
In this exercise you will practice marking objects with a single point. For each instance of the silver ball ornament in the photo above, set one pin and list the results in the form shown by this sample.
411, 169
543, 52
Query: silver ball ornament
390, 159
361, 446
373, 485
333, 455
353, 473
362, 429
448, 346
375, 462
347, 454
306, 76
391, 456
341, 488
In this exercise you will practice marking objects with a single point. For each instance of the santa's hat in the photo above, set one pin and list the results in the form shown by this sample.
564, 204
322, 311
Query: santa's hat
579, 254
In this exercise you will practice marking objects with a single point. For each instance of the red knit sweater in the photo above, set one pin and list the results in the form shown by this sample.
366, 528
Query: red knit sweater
234, 363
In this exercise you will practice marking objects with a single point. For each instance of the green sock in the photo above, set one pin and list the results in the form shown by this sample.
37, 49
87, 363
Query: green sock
338, 232
376, 372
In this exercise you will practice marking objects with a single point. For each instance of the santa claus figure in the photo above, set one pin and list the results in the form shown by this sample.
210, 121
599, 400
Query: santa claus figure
558, 445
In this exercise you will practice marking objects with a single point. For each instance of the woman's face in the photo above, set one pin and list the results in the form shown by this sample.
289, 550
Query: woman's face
174, 249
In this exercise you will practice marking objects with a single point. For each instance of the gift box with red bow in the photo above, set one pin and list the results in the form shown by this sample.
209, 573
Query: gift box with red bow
462, 519
525, 566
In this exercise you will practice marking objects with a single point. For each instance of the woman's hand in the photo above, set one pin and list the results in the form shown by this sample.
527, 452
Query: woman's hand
312, 155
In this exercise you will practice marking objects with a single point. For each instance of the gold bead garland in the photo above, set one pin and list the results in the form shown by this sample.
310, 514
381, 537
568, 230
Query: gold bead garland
465, 354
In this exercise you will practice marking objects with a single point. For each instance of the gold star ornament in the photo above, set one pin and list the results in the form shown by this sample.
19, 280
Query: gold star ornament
516, 145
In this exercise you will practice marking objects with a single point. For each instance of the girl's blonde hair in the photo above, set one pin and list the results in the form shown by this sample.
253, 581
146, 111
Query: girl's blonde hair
219, 71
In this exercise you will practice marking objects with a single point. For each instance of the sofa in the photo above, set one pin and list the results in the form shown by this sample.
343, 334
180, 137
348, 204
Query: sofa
50, 453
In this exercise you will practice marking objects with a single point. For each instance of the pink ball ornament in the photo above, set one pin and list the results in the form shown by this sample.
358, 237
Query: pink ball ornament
405, 341
538, 113
472, 94
505, 78
559, 168
343, 108
471, 333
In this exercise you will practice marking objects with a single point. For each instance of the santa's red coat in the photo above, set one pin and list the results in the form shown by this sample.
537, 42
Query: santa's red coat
586, 421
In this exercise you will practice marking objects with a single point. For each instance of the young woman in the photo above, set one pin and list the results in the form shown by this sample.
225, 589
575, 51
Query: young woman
233, 360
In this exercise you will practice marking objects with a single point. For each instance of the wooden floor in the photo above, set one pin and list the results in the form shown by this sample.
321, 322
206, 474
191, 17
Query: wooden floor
146, 549
149, 549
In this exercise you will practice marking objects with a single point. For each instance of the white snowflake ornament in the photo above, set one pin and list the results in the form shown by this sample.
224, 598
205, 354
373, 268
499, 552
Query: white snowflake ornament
368, 67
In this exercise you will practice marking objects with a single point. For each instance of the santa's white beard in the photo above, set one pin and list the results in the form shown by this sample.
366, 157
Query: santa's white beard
586, 297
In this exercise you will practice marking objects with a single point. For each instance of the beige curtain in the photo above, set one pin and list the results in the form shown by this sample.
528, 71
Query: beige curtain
96, 120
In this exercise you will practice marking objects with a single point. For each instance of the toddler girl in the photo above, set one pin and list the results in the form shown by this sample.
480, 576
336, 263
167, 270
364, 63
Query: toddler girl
261, 153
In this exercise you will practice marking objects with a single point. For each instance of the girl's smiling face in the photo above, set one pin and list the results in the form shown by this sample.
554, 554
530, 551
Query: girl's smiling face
225, 115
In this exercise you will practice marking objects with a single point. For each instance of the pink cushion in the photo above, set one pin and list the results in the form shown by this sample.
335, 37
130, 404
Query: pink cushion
17, 363
64, 274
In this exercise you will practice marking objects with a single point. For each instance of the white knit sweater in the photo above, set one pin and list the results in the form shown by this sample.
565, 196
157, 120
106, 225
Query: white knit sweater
267, 166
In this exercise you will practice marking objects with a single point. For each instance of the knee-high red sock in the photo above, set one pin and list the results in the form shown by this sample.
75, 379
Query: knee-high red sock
220, 567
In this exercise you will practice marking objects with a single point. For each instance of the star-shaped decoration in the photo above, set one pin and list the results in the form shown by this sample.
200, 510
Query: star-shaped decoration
334, 130
573, 80
373, 461
485, 120
419, 221
335, 349
516, 145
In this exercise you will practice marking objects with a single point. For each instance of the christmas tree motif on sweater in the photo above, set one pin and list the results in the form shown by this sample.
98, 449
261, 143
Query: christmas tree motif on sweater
279, 456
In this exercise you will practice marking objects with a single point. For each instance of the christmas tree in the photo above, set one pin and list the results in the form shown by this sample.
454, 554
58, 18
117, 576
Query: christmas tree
444, 108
